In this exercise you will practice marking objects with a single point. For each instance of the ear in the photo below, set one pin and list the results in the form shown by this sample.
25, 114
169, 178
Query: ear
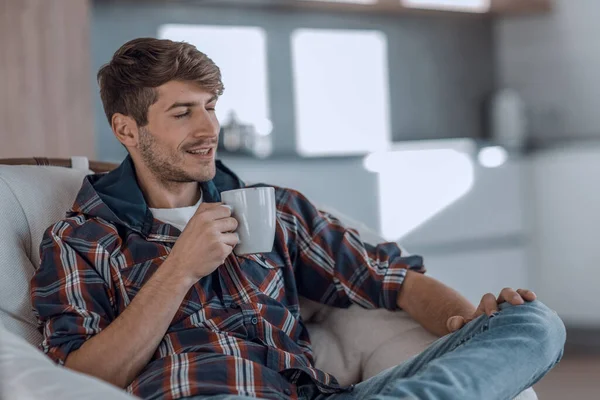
125, 129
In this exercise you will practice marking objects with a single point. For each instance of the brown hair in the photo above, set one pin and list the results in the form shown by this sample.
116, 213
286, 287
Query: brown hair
127, 83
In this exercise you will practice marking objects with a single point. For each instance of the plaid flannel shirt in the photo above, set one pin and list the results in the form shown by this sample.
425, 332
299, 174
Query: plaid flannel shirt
238, 330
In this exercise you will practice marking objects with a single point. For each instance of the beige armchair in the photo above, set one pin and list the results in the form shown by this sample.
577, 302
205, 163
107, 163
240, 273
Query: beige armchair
352, 344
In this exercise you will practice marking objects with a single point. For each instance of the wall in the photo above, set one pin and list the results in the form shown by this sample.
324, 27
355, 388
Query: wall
553, 61
45, 99
566, 217
441, 68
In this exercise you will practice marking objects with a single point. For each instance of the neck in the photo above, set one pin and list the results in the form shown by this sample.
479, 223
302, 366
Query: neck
167, 194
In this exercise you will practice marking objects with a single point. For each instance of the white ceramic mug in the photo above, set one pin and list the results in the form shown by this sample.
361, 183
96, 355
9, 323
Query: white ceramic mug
255, 211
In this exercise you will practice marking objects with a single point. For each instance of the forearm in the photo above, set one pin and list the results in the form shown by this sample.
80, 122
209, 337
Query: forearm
431, 303
122, 350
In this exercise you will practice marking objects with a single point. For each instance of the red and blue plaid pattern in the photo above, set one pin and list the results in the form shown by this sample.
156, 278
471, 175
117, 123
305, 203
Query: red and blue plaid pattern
239, 330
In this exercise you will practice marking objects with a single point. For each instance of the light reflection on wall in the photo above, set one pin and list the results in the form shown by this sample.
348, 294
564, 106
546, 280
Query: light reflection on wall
492, 157
419, 180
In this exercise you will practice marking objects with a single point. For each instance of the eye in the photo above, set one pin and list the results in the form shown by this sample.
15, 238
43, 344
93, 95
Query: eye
185, 114
211, 108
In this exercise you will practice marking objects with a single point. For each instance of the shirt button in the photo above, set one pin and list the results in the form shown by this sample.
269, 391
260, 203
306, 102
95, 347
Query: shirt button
254, 321
287, 391
233, 305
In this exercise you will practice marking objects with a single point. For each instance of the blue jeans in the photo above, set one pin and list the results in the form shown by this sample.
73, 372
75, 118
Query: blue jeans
490, 358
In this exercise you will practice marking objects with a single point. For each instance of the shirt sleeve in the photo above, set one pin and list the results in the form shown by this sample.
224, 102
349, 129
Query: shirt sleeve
333, 266
70, 298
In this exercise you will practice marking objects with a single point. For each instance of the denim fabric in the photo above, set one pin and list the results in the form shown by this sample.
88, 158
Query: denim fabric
491, 358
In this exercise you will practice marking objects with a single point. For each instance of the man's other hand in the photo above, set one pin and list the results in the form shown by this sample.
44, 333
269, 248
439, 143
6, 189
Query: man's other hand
489, 305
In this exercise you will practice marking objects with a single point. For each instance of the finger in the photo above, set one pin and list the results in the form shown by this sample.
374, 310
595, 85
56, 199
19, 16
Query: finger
511, 296
455, 323
217, 212
228, 250
527, 295
208, 206
489, 303
228, 224
478, 312
231, 239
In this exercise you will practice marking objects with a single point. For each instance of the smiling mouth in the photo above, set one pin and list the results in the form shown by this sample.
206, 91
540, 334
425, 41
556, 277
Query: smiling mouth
201, 152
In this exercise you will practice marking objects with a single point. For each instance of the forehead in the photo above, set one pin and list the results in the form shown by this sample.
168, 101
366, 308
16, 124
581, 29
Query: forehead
181, 91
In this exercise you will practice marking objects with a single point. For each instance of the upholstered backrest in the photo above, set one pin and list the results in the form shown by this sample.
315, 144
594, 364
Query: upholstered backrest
31, 199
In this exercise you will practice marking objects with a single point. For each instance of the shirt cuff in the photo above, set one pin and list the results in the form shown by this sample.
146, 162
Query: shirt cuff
59, 353
394, 278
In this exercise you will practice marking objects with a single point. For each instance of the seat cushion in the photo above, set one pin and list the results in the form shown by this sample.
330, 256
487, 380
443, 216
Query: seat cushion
31, 199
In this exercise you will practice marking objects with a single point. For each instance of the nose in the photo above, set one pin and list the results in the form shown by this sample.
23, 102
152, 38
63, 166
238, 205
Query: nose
206, 125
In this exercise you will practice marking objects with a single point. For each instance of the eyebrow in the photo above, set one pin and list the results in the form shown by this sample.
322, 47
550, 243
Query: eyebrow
190, 103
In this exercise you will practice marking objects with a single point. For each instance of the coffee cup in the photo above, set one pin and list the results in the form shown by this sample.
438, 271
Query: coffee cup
255, 210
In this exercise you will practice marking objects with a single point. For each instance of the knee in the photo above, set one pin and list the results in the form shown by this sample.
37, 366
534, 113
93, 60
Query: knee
543, 327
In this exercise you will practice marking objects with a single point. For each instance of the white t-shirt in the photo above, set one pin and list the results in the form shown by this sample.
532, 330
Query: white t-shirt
178, 217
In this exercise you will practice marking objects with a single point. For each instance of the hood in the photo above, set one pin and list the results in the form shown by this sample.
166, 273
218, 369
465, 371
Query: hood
116, 196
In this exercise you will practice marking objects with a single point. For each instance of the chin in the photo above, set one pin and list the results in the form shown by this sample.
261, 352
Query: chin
205, 174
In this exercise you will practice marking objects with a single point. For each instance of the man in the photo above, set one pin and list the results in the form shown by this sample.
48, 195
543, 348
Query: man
138, 286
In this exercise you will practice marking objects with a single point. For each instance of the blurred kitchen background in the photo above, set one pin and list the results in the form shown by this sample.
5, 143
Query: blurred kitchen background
468, 130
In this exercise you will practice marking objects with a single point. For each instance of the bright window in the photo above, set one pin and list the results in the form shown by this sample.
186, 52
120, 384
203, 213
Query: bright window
341, 91
240, 52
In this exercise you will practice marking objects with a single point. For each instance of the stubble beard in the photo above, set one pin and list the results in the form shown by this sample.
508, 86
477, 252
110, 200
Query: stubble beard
168, 166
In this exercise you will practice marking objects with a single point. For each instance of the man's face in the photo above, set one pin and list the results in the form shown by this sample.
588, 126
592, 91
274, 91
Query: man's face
180, 140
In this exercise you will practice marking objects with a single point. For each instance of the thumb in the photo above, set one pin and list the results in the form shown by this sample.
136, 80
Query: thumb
455, 323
